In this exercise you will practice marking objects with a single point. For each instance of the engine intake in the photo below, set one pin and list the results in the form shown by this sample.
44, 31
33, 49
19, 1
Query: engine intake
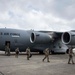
38, 37
68, 38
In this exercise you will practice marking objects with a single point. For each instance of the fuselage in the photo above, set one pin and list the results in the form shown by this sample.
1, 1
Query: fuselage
36, 40
16, 38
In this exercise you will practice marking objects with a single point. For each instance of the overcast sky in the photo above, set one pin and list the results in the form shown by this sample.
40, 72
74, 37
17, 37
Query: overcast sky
52, 15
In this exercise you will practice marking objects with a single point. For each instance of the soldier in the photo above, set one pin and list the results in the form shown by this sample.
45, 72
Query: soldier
17, 52
28, 53
46, 52
71, 55
7, 50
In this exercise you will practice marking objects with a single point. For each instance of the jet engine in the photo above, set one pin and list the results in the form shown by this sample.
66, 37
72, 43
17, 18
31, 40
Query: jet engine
68, 38
39, 37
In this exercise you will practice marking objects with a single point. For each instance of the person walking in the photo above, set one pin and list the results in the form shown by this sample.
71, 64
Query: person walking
17, 52
28, 53
71, 55
46, 52
7, 50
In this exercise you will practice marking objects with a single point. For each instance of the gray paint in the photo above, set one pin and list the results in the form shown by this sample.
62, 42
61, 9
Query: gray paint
23, 40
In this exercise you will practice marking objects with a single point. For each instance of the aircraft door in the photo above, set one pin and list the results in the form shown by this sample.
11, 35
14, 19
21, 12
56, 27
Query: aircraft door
7, 48
7, 43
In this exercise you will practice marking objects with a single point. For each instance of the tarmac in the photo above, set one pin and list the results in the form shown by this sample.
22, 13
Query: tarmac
10, 65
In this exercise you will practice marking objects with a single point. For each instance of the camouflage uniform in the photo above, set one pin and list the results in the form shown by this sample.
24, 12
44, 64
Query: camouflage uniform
17, 52
7, 50
28, 53
46, 52
71, 56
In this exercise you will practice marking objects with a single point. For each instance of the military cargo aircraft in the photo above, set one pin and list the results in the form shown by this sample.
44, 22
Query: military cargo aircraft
36, 40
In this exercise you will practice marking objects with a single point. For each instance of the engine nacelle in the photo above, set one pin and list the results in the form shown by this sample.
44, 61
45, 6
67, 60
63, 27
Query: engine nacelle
68, 38
38, 37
